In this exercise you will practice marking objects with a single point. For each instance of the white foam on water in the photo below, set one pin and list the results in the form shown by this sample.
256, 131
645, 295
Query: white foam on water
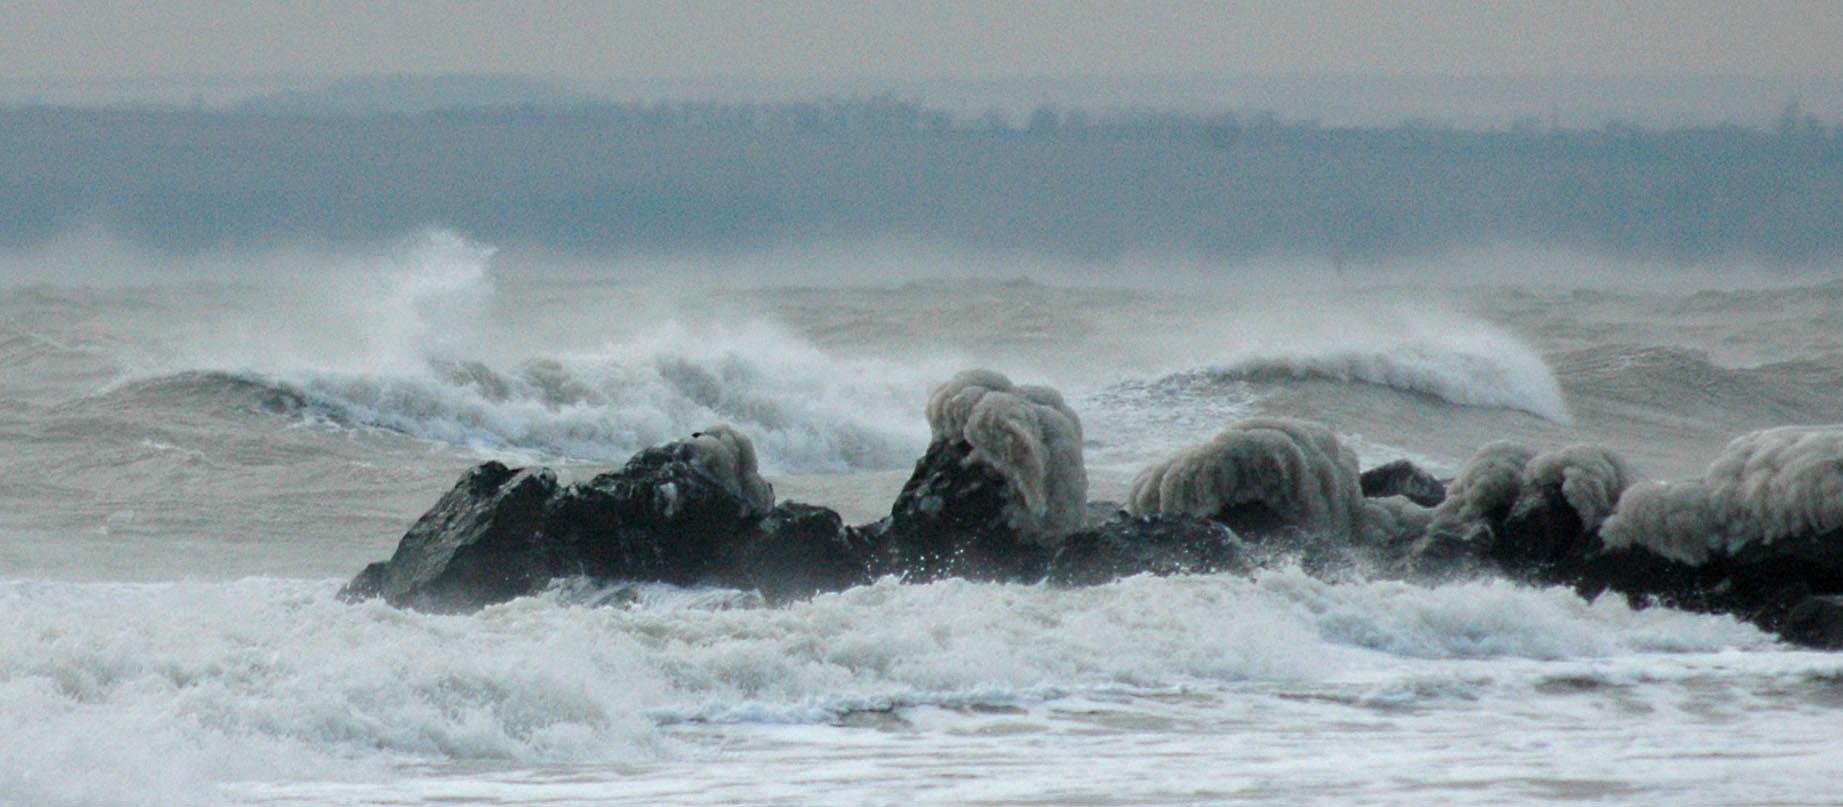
163, 693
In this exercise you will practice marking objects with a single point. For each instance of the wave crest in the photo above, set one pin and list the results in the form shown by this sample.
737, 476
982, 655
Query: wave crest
1503, 379
604, 408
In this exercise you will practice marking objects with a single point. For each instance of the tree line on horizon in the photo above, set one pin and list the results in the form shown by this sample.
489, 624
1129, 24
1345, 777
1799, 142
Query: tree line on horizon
673, 176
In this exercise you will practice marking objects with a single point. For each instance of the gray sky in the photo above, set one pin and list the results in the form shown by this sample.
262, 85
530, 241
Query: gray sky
806, 39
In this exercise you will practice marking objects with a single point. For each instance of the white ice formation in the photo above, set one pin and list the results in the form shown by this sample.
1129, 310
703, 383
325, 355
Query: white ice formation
1029, 436
1504, 476
729, 456
1297, 469
1765, 486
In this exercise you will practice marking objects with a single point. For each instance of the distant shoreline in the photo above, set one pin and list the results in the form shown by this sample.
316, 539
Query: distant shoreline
701, 177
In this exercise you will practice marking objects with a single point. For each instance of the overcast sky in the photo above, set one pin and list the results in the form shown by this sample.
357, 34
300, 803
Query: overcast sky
807, 39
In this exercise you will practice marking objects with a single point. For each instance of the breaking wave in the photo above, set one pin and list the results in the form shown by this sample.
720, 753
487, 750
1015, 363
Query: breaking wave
804, 414
1509, 377
593, 409
418, 341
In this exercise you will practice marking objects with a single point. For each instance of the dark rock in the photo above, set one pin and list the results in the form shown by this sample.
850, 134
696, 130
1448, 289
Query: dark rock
1816, 622
1761, 593
1160, 544
1101, 512
952, 520
661, 517
1543, 538
1819, 556
1333, 558
503, 533
1539, 538
800, 550
1254, 520
949, 493
1442, 555
1543, 541
1403, 478
483, 542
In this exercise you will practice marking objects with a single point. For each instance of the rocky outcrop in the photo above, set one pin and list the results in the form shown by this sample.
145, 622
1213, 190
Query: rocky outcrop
668, 515
799, 550
695, 512
1541, 519
1816, 622
953, 519
664, 516
503, 533
483, 542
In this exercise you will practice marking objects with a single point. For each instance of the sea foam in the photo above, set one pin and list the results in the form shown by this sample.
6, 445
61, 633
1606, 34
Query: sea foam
156, 693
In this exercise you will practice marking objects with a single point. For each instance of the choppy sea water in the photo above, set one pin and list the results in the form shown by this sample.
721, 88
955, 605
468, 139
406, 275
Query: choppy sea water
199, 460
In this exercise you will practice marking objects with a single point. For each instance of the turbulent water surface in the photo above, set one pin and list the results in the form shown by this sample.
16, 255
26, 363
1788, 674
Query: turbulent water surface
198, 460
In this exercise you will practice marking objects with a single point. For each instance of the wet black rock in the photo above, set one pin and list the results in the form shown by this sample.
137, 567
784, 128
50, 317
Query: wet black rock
952, 519
1544, 540
1405, 479
1816, 622
662, 517
800, 550
483, 542
1446, 554
948, 492
1543, 537
1127, 545
1538, 538
502, 533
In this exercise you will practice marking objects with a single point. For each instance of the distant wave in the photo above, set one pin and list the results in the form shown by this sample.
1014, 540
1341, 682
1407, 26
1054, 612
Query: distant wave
203, 390
408, 342
804, 415
604, 409
595, 410
1688, 382
1516, 380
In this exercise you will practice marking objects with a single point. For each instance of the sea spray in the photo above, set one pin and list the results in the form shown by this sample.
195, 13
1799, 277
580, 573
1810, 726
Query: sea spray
417, 340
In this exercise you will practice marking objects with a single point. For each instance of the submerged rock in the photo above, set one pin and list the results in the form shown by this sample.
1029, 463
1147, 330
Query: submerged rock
1127, 545
1816, 622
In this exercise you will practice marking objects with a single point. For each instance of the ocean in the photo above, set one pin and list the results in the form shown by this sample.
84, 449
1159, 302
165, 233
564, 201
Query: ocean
202, 453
